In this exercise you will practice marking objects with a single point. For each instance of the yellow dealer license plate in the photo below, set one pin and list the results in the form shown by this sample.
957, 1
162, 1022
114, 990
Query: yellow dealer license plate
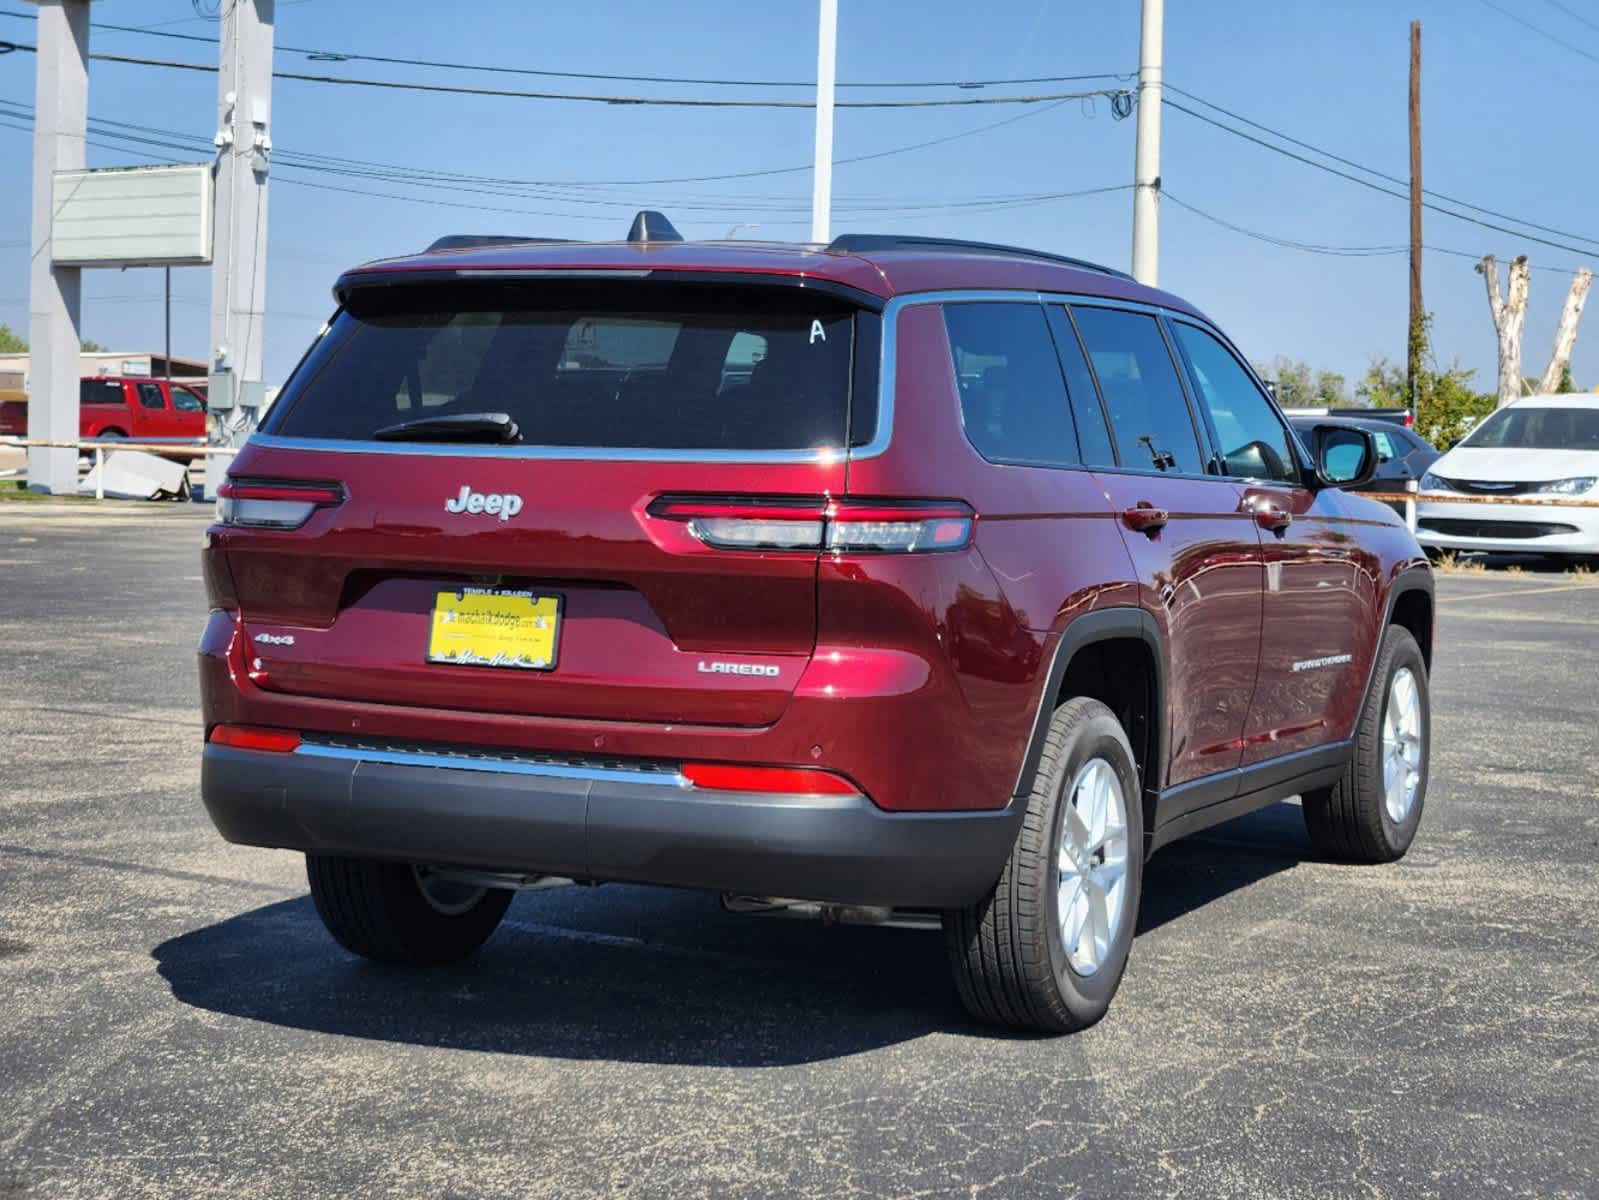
490, 627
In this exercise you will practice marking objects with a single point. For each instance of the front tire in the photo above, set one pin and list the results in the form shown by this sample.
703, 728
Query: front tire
1371, 815
1046, 950
399, 913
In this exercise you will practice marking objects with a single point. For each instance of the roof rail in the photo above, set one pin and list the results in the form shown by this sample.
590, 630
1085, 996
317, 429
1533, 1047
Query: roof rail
470, 241
867, 243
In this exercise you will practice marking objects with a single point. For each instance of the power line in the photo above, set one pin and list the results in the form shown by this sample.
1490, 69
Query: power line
205, 148
180, 143
1366, 183
1120, 98
1395, 179
1331, 251
326, 55
1573, 14
1540, 31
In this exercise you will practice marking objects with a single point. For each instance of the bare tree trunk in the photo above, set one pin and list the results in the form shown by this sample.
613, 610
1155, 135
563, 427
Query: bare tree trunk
1566, 333
1510, 315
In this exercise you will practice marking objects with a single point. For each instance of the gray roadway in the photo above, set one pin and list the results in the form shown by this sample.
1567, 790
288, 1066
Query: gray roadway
173, 1021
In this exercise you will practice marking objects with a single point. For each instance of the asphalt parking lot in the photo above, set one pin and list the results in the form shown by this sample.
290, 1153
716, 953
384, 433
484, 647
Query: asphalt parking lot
174, 1021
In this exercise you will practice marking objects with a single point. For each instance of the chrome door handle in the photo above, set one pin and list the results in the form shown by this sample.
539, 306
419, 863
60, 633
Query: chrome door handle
1144, 517
1273, 519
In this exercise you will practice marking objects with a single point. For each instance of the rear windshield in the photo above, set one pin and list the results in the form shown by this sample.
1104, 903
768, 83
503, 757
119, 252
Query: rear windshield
1538, 429
653, 366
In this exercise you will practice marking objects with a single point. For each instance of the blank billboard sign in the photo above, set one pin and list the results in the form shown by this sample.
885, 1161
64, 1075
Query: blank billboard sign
133, 217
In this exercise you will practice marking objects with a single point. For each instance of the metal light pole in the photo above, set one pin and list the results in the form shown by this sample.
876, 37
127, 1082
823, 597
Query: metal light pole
822, 176
1146, 163
55, 294
238, 272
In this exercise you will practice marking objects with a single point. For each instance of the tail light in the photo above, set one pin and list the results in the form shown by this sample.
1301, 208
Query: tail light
255, 737
814, 523
795, 781
274, 503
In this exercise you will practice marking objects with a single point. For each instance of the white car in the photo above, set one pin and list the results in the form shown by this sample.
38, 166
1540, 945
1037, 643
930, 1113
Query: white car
1531, 452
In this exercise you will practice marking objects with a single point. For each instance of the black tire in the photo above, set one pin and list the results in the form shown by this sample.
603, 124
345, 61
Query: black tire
1008, 952
1350, 819
378, 910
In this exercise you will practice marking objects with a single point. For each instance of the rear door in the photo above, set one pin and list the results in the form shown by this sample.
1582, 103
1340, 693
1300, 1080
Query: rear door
1320, 585
1191, 538
103, 406
674, 445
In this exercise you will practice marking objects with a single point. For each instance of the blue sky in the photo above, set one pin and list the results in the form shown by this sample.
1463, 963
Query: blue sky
1331, 74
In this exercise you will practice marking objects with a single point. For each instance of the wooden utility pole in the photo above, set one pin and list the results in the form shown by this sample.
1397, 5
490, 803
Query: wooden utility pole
1418, 318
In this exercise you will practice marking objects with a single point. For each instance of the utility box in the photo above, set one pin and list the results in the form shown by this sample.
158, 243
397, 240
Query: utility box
133, 217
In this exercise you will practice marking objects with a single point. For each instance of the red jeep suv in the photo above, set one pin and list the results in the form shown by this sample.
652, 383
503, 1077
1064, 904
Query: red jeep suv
893, 574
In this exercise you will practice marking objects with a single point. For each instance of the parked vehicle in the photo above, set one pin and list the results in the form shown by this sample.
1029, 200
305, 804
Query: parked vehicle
125, 407
1402, 417
1533, 453
1403, 455
995, 572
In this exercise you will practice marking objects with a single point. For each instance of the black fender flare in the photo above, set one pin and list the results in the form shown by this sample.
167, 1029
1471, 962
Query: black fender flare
1100, 625
1411, 579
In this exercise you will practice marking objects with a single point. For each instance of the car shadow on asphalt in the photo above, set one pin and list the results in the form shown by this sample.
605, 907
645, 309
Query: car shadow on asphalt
654, 975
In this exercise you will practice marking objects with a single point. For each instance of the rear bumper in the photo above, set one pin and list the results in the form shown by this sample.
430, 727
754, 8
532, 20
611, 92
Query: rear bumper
603, 824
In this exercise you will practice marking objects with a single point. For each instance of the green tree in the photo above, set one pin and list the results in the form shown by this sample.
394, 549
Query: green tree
89, 347
1447, 406
1298, 386
12, 343
1330, 391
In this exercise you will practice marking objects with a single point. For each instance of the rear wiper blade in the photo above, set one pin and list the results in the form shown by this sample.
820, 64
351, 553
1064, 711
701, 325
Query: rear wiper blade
457, 427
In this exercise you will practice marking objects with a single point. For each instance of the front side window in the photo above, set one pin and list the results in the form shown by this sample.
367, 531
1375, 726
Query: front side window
1254, 443
1143, 394
1013, 400
652, 366
1538, 429
186, 401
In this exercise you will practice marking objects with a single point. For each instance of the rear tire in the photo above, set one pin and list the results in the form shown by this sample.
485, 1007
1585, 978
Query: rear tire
1047, 949
1371, 815
391, 912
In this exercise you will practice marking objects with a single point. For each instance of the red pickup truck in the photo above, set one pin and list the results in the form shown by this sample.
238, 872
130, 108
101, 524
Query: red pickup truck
112, 406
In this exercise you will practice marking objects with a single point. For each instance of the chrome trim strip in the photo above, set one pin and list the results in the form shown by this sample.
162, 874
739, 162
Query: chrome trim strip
499, 766
822, 456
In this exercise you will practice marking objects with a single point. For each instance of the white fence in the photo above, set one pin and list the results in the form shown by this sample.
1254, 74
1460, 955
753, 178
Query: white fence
167, 447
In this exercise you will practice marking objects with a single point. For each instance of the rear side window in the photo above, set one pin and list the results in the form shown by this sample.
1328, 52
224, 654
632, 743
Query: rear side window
1013, 400
100, 391
1143, 393
1253, 442
150, 396
651, 366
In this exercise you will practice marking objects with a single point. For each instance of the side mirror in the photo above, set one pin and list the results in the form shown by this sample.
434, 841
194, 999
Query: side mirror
1346, 457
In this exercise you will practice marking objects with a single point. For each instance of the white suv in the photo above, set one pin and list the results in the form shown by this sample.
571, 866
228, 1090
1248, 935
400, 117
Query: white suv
1540, 453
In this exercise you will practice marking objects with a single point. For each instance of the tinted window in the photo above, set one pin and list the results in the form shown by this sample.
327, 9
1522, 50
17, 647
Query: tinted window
1093, 436
150, 396
1143, 394
1254, 443
186, 401
100, 391
647, 367
1013, 401
1538, 429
